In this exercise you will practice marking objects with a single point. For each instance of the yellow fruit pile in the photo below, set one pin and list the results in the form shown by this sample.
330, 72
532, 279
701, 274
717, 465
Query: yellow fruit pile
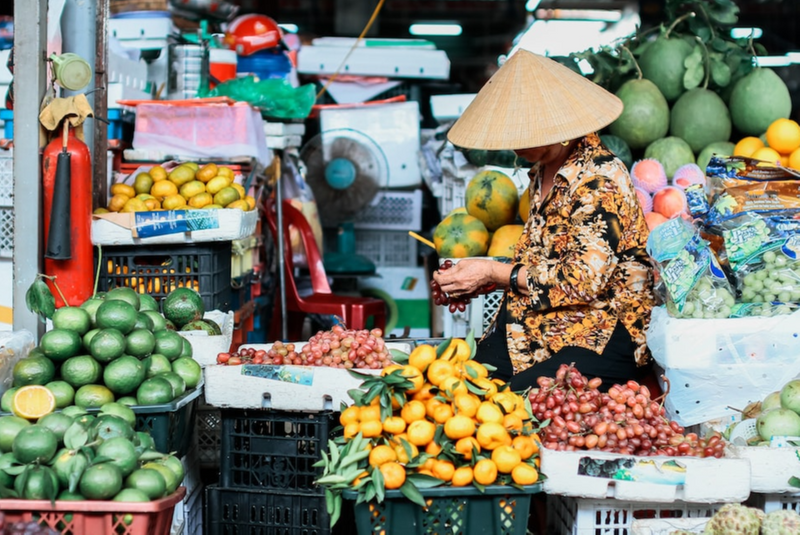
782, 144
437, 420
154, 279
186, 187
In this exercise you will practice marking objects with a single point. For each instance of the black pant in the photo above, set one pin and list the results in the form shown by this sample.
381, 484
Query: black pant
616, 365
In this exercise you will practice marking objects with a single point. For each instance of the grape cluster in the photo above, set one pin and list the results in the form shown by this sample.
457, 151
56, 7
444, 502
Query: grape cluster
777, 279
27, 528
624, 420
336, 348
459, 303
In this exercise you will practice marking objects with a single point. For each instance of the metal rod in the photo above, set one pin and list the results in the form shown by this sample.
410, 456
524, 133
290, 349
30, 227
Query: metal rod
281, 258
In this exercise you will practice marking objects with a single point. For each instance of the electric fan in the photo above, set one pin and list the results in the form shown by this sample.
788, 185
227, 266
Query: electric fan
345, 169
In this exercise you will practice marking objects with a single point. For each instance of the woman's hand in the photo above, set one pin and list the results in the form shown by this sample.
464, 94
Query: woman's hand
466, 277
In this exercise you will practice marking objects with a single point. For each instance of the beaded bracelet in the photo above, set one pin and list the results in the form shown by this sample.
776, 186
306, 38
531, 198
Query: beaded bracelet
512, 281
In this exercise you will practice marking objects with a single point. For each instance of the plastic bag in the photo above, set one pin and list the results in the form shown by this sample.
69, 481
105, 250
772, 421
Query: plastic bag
274, 97
749, 310
743, 185
763, 255
14, 346
295, 189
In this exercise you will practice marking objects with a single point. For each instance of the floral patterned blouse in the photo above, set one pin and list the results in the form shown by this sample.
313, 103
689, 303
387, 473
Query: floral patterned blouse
587, 269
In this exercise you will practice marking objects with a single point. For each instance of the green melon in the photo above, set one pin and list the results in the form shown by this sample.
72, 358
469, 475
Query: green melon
672, 152
645, 117
700, 118
757, 100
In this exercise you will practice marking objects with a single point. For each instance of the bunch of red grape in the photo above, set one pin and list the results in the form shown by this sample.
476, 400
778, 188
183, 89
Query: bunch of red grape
455, 303
624, 420
27, 528
337, 348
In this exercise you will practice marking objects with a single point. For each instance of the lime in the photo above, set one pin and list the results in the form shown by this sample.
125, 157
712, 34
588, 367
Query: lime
143, 321
168, 325
149, 481
57, 422
140, 343
101, 481
124, 375
155, 391
36, 370
116, 314
80, 371
156, 364
40, 484
93, 396
128, 401
183, 305
5, 401
108, 426
170, 478
189, 370
174, 464
73, 411
36, 352
7, 460
75, 319
120, 410
60, 344
34, 444
148, 302
124, 294
87, 338
131, 495
145, 441
159, 323
121, 453
169, 344
10, 426
63, 392
107, 345
187, 350
177, 382
91, 305
68, 462
67, 496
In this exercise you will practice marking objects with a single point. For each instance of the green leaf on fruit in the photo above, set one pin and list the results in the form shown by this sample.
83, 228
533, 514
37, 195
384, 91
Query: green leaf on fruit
693, 77
411, 492
40, 300
423, 481
76, 436
720, 73
400, 357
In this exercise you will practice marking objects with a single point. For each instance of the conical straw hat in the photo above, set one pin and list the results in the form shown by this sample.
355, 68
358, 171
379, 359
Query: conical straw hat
533, 101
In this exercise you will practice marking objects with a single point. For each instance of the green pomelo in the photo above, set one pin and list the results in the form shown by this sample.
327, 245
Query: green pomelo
93, 396
619, 148
672, 152
662, 64
57, 422
159, 322
91, 306
118, 409
757, 100
177, 382
63, 392
124, 294
124, 375
169, 344
81, 370
189, 370
143, 321
40, 484
169, 476
140, 343
718, 148
700, 118
10, 426
101, 481
108, 426
34, 444
147, 302
156, 364
155, 391
6, 399
182, 306
107, 345
87, 338
67, 496
131, 495
121, 453
128, 401
116, 314
645, 117
68, 462
187, 350
36, 370
75, 319
149, 481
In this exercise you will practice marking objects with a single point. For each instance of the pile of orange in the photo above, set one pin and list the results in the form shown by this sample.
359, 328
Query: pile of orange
780, 143
452, 423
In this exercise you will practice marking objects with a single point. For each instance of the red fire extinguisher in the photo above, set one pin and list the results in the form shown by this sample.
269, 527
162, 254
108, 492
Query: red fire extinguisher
67, 193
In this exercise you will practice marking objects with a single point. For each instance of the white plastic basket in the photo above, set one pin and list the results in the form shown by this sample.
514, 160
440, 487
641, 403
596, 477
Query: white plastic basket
578, 516
667, 526
478, 316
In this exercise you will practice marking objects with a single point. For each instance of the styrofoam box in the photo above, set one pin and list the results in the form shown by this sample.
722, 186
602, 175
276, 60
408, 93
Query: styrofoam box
707, 480
205, 347
770, 502
283, 142
233, 225
667, 526
770, 467
577, 516
718, 365
284, 129
228, 386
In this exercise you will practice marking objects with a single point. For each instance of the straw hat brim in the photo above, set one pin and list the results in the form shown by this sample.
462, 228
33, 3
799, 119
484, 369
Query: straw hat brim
533, 101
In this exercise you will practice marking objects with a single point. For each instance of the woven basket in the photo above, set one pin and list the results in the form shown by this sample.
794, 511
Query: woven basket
124, 6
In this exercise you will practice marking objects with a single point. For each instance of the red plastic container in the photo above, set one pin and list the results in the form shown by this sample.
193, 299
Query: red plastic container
96, 517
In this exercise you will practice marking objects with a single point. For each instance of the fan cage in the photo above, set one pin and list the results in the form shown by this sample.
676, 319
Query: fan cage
391, 210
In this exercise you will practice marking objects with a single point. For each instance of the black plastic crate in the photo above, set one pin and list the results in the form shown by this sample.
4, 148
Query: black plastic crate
159, 269
273, 450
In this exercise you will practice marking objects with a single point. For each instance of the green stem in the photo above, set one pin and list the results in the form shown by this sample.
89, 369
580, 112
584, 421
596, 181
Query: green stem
708, 20
633, 59
751, 46
678, 21
708, 62
97, 274
52, 279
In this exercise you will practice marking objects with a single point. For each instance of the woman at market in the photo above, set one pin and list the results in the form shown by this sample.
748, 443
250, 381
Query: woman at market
579, 289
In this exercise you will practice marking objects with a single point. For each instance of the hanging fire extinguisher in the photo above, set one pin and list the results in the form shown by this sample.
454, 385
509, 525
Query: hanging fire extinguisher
67, 195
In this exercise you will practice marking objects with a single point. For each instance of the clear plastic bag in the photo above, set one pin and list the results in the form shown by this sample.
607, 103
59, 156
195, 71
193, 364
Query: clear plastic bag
14, 346
296, 190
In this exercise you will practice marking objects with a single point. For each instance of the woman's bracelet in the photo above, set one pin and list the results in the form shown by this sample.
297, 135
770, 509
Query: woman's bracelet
512, 281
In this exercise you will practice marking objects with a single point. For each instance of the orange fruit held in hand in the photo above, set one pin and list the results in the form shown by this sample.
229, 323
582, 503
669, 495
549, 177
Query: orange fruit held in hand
506, 458
421, 432
459, 427
394, 475
462, 477
485, 472
381, 454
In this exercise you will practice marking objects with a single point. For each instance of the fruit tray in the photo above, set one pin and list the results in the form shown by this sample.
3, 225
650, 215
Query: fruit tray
172, 228
96, 517
595, 474
771, 467
293, 388
205, 347
497, 510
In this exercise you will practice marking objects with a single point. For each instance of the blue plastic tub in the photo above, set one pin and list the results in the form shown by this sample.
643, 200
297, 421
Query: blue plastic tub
8, 117
114, 124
